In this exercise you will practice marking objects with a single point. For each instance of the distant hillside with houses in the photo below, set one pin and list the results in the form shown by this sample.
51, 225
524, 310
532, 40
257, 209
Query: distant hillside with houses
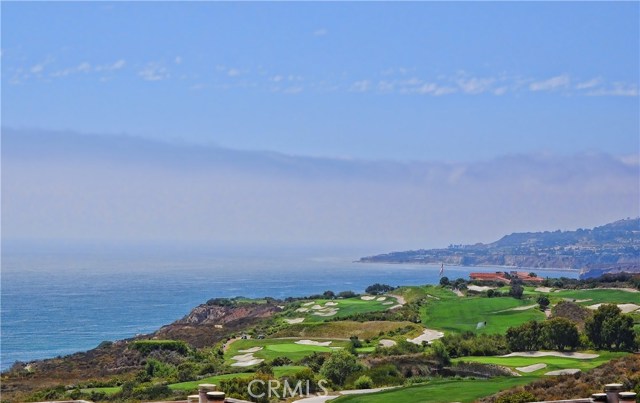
614, 247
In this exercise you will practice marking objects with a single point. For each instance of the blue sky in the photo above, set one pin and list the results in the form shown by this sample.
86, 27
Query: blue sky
402, 81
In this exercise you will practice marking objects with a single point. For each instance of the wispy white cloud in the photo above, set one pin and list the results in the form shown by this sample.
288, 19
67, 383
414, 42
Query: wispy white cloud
38, 68
584, 85
360, 86
320, 32
500, 90
435, 89
475, 85
551, 84
154, 72
293, 90
276, 78
178, 60
86, 67
233, 72
617, 89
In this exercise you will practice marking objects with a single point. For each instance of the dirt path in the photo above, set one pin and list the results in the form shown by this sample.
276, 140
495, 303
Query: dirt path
228, 344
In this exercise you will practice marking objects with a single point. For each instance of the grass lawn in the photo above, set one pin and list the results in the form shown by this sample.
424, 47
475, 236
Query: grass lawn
413, 293
440, 390
599, 296
278, 372
463, 314
344, 307
553, 363
272, 348
106, 390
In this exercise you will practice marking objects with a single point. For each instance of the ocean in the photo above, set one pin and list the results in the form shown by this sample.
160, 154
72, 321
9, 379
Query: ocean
57, 301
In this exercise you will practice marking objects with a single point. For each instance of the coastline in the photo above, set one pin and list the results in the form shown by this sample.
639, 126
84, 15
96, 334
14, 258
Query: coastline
436, 265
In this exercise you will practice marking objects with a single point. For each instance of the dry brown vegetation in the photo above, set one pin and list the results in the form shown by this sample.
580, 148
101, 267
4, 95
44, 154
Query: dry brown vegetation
346, 329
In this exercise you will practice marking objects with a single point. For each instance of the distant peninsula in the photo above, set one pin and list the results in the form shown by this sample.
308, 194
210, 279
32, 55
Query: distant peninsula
611, 248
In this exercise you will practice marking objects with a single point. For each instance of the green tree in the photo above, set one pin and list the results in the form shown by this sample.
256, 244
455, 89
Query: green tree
559, 333
608, 328
444, 281
543, 301
440, 353
516, 291
339, 366
526, 337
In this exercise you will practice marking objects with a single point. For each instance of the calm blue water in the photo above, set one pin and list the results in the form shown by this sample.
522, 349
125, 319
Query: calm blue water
56, 302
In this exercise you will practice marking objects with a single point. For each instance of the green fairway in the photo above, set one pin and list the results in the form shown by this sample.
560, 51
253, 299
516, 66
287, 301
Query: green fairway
272, 348
600, 296
440, 390
553, 363
278, 372
320, 310
193, 385
106, 390
414, 293
464, 314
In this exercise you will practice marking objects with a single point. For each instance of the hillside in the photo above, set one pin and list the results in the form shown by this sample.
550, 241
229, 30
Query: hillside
611, 247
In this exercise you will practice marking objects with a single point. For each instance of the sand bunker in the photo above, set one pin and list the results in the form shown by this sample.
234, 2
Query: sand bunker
387, 343
247, 363
480, 288
330, 303
396, 307
294, 320
544, 289
388, 303
317, 307
308, 303
314, 343
249, 350
568, 371
400, 299
367, 298
625, 308
302, 310
381, 298
427, 335
579, 356
330, 312
246, 360
520, 308
531, 368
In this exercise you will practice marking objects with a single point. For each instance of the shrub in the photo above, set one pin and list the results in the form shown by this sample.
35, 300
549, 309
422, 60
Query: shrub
147, 346
339, 366
363, 382
378, 288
